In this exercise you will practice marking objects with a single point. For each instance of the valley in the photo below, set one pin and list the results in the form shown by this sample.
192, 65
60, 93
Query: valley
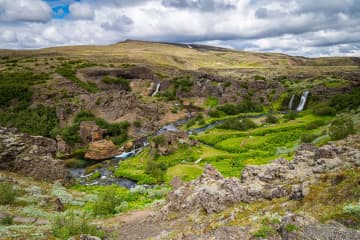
150, 140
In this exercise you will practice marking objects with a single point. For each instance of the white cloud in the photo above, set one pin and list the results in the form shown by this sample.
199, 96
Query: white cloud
82, 11
293, 27
24, 10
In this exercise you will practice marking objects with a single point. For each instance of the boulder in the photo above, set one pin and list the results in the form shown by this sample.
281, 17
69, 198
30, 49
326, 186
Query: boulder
101, 150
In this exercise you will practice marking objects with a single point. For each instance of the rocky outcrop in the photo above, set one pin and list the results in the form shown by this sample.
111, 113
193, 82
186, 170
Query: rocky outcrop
101, 150
295, 226
281, 178
90, 132
32, 156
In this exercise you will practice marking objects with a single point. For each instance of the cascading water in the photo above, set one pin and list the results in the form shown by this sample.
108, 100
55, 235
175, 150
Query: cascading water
303, 100
156, 90
291, 102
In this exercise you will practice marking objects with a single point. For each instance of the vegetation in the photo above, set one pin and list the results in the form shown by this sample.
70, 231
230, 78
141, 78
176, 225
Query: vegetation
243, 107
116, 130
120, 81
271, 119
7, 193
68, 224
238, 124
40, 120
341, 127
69, 69
346, 101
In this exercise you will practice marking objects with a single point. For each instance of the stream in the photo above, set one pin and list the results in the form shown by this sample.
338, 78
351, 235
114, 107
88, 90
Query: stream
107, 177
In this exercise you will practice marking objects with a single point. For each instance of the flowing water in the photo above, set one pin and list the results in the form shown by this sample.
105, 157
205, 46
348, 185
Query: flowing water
303, 100
291, 103
156, 90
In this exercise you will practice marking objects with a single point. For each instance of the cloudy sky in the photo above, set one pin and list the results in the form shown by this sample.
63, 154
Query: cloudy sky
297, 27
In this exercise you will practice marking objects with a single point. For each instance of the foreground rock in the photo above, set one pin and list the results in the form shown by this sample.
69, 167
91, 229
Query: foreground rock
281, 178
101, 150
32, 156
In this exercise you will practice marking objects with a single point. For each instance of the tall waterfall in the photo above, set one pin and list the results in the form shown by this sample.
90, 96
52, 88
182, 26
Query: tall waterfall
156, 90
303, 99
291, 102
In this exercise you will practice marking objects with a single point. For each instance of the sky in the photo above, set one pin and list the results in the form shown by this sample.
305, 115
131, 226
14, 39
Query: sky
311, 28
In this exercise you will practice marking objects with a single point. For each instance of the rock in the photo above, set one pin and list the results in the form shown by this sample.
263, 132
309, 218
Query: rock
90, 132
176, 182
129, 146
280, 178
101, 150
169, 142
32, 156
85, 237
62, 147
294, 227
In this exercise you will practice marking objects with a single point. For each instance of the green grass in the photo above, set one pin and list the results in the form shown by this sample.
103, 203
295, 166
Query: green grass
187, 172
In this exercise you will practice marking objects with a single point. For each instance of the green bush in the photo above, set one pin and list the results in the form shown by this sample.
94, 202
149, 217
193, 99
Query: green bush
216, 113
107, 201
184, 84
324, 110
65, 225
156, 170
75, 163
238, 124
271, 119
346, 101
7, 193
137, 124
7, 220
308, 137
35, 121
292, 115
243, 107
159, 140
341, 127
212, 102
315, 124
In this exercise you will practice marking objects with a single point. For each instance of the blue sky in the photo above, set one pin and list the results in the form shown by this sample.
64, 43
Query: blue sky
296, 27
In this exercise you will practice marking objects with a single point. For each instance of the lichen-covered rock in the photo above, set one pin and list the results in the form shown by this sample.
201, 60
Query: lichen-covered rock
281, 178
101, 150
295, 227
32, 156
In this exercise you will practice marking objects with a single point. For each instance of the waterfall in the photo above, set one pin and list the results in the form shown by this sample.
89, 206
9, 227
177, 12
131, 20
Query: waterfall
291, 102
156, 90
303, 99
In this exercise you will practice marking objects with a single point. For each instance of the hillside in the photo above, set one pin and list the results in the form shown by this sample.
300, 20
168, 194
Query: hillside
148, 140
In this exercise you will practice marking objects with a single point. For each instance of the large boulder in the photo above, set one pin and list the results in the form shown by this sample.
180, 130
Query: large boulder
101, 150
32, 156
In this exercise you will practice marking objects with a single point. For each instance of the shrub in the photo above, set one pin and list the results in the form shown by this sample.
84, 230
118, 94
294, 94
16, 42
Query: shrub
308, 137
264, 232
7, 220
346, 101
7, 194
243, 107
292, 115
341, 127
65, 225
107, 201
159, 140
36, 121
155, 170
238, 124
271, 119
215, 113
75, 163
258, 77
183, 84
315, 124
137, 123
324, 110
